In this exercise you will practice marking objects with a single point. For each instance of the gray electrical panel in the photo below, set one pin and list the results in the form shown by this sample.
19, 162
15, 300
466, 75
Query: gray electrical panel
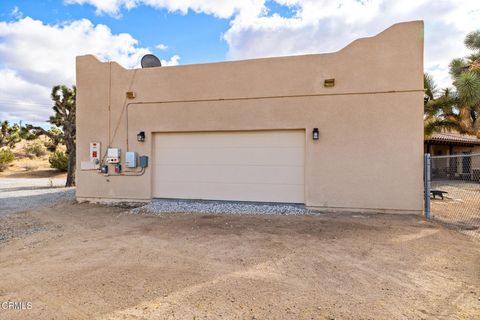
131, 159
143, 161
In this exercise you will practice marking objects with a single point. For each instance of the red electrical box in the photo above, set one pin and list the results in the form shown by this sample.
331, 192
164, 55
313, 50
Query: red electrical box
95, 152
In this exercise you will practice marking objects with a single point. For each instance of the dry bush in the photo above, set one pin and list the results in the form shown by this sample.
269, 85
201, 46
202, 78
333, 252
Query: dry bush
6, 157
59, 161
34, 149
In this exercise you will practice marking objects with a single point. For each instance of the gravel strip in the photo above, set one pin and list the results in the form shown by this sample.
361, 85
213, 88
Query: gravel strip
160, 206
34, 199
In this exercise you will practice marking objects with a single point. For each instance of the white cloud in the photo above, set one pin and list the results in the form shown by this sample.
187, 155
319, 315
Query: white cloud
326, 25
111, 7
20, 99
161, 46
221, 9
35, 56
173, 61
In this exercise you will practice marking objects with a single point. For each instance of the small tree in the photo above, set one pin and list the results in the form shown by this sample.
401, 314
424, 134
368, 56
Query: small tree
64, 119
9, 135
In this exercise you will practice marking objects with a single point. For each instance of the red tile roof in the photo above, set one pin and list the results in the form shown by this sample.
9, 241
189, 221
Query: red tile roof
453, 137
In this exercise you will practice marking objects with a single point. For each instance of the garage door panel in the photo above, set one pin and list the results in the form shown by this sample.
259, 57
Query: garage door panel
232, 156
215, 191
249, 139
245, 166
233, 174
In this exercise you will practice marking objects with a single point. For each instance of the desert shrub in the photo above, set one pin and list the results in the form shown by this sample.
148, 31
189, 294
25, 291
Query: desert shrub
34, 149
50, 145
6, 157
59, 161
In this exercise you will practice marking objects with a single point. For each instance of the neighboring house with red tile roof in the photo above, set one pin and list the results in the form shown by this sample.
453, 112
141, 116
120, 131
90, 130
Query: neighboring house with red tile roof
446, 143
453, 138
453, 143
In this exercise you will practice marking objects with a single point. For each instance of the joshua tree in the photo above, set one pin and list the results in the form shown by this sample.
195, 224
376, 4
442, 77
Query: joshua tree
430, 88
9, 135
457, 109
64, 107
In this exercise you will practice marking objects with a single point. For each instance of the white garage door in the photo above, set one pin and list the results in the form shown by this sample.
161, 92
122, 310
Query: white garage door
246, 166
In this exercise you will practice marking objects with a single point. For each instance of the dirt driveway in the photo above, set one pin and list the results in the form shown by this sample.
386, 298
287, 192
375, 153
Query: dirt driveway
20, 194
92, 262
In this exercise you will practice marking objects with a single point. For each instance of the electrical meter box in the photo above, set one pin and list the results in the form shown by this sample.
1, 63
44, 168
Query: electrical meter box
113, 155
131, 159
95, 152
94, 157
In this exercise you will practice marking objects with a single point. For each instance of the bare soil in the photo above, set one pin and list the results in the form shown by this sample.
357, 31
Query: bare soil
91, 262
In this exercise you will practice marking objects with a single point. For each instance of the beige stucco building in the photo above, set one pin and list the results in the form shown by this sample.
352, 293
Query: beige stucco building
243, 130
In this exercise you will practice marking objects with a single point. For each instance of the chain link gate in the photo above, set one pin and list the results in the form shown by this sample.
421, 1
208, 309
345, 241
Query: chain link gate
452, 191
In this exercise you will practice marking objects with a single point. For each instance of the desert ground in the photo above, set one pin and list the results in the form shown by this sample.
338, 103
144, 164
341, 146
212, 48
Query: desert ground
85, 261
460, 207
26, 166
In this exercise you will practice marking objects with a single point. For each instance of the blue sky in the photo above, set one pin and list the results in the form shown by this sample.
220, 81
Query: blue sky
40, 39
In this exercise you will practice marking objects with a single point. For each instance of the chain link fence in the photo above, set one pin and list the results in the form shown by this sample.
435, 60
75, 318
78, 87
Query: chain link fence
452, 191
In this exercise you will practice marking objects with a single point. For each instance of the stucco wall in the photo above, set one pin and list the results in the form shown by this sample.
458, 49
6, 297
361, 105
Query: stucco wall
369, 155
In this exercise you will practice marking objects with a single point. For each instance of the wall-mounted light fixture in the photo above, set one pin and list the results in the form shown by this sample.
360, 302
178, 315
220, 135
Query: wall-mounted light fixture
131, 94
315, 134
141, 136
